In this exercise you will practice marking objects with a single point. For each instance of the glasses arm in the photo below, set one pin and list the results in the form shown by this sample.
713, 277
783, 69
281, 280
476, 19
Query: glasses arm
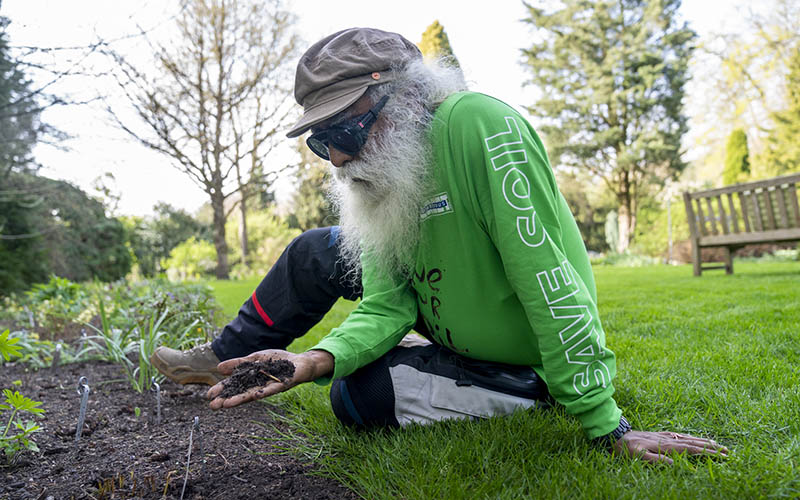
372, 114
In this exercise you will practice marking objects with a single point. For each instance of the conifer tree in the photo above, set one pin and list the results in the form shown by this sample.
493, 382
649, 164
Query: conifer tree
611, 76
737, 158
435, 44
20, 127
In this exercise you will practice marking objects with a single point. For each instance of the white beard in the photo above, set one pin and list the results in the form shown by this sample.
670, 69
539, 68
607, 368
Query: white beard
379, 196
378, 199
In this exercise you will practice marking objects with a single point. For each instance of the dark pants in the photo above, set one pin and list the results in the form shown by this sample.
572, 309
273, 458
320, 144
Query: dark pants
417, 384
300, 288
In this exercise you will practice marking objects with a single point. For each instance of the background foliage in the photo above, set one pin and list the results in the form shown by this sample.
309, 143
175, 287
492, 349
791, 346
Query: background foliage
52, 227
746, 70
782, 154
310, 208
268, 236
609, 81
610, 78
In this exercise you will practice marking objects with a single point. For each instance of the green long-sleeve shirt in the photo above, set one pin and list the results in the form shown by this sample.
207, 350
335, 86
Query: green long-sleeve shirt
501, 273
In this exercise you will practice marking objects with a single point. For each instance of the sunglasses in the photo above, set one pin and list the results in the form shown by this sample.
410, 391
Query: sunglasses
348, 136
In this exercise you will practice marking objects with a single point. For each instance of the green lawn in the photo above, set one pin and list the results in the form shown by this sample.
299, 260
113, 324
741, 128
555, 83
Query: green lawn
715, 356
232, 294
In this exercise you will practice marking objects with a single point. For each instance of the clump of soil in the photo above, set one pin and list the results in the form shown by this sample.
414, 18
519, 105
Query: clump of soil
256, 374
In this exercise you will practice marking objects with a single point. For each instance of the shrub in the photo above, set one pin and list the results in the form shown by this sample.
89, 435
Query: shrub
191, 259
57, 302
625, 260
652, 235
134, 320
267, 235
68, 234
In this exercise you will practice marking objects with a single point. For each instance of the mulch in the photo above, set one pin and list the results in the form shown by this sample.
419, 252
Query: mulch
124, 453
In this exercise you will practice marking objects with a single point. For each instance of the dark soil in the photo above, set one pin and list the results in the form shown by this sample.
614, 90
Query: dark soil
123, 453
256, 374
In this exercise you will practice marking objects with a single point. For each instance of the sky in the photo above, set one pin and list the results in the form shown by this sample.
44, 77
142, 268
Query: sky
486, 37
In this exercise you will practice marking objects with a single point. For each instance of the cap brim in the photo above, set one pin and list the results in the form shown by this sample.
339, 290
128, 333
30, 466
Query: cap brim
324, 111
319, 105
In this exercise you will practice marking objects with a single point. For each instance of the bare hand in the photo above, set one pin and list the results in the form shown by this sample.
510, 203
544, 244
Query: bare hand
655, 446
308, 366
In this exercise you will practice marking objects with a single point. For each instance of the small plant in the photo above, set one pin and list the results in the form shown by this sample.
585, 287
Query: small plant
16, 403
12, 445
7, 347
114, 344
37, 354
142, 337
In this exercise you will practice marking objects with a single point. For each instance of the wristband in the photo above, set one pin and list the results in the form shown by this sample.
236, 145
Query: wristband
609, 439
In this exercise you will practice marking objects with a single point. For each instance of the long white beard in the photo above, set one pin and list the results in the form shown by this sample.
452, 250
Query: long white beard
378, 199
379, 196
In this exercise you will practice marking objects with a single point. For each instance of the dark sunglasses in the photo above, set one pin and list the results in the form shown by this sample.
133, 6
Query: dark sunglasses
348, 136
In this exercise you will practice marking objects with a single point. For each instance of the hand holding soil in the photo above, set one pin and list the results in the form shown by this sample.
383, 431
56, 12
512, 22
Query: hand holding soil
265, 373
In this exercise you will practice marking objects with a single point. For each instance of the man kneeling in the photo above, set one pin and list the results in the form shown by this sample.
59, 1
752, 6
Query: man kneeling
451, 224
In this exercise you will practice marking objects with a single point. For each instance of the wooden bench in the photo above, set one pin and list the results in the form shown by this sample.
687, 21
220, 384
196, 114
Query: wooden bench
734, 216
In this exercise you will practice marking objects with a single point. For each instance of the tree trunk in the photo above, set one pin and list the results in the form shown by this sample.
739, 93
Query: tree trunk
243, 230
626, 217
218, 208
622, 223
627, 224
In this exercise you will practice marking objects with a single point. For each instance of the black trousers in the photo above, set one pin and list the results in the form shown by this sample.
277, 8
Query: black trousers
295, 294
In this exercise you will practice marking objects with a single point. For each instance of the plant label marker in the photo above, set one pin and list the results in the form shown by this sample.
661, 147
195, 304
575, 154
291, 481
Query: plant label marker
195, 425
57, 356
82, 340
157, 388
83, 391
31, 320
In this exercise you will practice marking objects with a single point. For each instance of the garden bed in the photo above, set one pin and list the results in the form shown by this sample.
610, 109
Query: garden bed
124, 453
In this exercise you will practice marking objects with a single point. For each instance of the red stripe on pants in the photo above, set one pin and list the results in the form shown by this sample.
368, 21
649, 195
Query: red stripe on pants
261, 312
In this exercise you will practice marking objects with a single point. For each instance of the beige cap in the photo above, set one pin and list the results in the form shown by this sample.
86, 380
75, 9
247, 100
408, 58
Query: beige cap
336, 71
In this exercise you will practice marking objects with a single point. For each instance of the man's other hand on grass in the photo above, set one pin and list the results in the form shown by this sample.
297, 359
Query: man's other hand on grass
656, 446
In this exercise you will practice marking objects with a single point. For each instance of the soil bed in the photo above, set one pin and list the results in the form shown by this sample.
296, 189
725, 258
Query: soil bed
256, 374
123, 453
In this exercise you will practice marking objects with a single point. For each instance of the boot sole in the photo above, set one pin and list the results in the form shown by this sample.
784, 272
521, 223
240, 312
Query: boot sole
183, 374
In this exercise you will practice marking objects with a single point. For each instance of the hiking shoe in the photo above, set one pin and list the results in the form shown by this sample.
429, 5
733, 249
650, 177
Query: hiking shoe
195, 366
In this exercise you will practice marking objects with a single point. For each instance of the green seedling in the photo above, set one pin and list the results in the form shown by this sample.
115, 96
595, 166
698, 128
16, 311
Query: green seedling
12, 445
144, 336
137, 412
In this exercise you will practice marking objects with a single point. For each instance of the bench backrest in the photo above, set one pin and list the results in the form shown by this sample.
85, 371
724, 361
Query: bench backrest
769, 206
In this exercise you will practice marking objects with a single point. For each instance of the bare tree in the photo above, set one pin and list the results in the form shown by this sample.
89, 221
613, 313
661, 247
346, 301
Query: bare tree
216, 98
248, 157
